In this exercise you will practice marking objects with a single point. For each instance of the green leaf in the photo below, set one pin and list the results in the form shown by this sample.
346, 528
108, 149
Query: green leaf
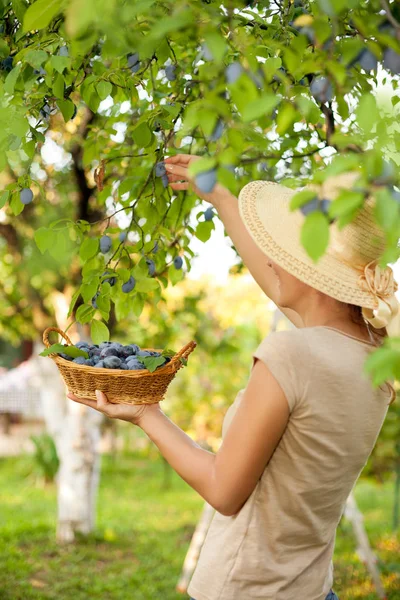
146, 285
15, 204
36, 58
216, 45
99, 332
11, 79
175, 275
104, 89
73, 302
70, 350
367, 114
151, 362
287, 115
301, 198
3, 198
137, 304
19, 8
89, 248
85, 313
44, 238
67, 108
40, 13
315, 234
59, 87
4, 49
60, 63
260, 107
204, 229
142, 135
346, 202
88, 290
202, 164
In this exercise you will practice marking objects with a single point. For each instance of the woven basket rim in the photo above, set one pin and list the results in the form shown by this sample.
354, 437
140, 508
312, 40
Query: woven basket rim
139, 372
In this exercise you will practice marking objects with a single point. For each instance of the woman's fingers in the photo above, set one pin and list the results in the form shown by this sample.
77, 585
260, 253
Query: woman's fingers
87, 401
180, 186
182, 172
183, 159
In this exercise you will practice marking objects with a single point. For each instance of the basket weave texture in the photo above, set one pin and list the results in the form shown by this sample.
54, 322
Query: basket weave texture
121, 387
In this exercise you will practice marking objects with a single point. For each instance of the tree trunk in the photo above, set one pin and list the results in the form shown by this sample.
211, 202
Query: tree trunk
76, 432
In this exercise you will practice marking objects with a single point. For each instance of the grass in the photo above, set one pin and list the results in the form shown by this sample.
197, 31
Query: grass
142, 535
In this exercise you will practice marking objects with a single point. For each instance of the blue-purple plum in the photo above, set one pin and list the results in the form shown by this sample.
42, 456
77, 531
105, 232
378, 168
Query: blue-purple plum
105, 244
109, 278
206, 180
310, 206
322, 90
111, 351
391, 61
207, 53
99, 365
63, 51
129, 285
170, 72
217, 131
122, 236
66, 356
26, 196
160, 169
151, 266
79, 360
165, 180
94, 303
233, 72
112, 362
178, 262
209, 214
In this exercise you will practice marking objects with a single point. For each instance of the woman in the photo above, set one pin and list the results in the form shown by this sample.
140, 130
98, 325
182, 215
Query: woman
297, 437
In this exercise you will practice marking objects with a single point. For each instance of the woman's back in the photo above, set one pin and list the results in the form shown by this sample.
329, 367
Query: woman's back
282, 540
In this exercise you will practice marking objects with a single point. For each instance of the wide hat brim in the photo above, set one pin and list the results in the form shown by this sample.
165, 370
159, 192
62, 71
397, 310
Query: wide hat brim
264, 210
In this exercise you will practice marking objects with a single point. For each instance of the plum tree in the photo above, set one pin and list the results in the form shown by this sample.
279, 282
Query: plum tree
105, 244
26, 196
129, 285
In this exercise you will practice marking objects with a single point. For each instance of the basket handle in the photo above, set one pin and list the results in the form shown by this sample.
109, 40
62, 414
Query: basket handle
46, 336
186, 350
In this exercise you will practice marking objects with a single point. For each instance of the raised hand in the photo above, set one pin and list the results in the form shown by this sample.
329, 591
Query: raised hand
179, 179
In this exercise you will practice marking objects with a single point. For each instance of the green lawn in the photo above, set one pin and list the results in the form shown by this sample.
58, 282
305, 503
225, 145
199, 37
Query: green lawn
143, 532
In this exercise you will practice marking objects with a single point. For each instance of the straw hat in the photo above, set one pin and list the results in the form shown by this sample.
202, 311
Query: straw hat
348, 271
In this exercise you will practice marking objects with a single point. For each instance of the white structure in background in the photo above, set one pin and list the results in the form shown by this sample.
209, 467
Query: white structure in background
35, 388
20, 391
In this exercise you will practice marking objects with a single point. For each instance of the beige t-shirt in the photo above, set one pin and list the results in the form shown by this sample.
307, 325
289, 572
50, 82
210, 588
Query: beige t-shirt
280, 544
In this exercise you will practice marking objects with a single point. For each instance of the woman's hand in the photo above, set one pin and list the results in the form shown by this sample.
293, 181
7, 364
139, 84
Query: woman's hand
133, 413
179, 179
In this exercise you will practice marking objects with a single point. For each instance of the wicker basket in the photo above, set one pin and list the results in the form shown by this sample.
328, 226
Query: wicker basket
121, 387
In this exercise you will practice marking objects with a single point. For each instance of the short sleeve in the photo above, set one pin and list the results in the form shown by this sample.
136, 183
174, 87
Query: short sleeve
286, 354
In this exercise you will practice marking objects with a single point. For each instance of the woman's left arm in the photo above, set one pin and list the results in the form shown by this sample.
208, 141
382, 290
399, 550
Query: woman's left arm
226, 479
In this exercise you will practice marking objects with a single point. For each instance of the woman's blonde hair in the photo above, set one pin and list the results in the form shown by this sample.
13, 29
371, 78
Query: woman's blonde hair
377, 335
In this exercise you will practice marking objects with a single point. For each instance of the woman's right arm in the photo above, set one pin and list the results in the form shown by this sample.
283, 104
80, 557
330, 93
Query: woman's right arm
227, 207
